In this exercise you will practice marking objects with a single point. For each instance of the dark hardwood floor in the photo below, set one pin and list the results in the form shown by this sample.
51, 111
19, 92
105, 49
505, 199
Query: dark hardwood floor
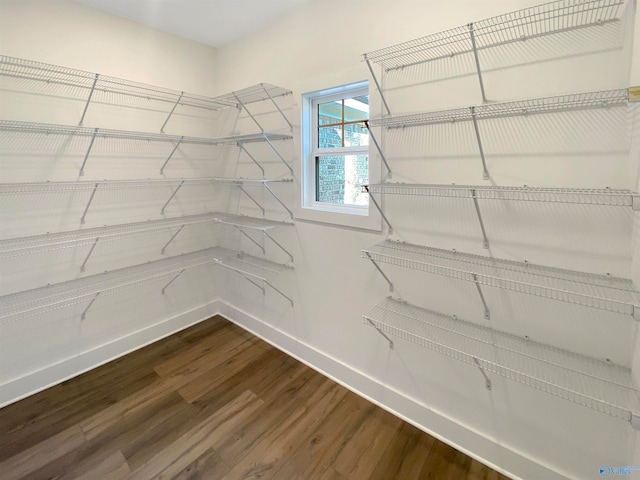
215, 402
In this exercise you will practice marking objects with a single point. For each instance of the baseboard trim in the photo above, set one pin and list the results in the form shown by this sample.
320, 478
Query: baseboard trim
514, 464
38, 380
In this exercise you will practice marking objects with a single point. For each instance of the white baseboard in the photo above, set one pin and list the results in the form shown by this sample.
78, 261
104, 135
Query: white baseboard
38, 380
507, 461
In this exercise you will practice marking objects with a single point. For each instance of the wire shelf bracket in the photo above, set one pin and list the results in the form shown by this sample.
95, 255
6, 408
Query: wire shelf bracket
171, 197
485, 240
173, 279
380, 152
86, 105
86, 155
485, 172
251, 239
164, 248
243, 190
477, 60
84, 263
242, 148
375, 80
487, 381
377, 205
253, 278
384, 275
86, 209
171, 155
83, 315
381, 333
278, 244
175, 105
266, 185
275, 104
487, 315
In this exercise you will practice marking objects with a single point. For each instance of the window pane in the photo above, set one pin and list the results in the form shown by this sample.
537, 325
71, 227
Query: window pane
339, 179
330, 113
356, 108
356, 135
330, 137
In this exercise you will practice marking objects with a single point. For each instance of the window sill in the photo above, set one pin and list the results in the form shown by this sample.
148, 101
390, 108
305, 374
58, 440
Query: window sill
371, 221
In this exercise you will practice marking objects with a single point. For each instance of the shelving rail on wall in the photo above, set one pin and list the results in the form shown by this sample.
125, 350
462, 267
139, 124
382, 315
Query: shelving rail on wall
80, 142
593, 383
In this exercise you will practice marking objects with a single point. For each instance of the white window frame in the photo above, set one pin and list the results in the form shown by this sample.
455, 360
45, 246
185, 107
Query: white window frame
358, 216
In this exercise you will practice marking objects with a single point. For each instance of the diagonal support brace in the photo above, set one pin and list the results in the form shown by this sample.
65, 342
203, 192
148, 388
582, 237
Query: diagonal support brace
266, 234
86, 155
84, 313
380, 332
86, 209
171, 112
242, 189
277, 153
384, 275
375, 142
487, 316
477, 59
171, 197
241, 146
487, 381
485, 241
244, 107
89, 254
375, 203
170, 155
375, 80
278, 107
485, 172
251, 239
86, 105
172, 280
278, 200
171, 240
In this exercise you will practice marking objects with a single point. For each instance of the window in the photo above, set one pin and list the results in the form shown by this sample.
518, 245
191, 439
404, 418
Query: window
335, 144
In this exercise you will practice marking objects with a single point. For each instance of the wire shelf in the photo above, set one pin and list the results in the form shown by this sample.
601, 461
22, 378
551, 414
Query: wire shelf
592, 383
541, 20
20, 70
587, 196
51, 187
77, 131
576, 101
83, 290
602, 292
54, 241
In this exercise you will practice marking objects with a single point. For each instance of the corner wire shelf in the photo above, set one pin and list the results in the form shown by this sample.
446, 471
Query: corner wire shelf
520, 25
613, 294
150, 139
15, 247
583, 196
589, 382
17, 73
87, 290
176, 184
559, 103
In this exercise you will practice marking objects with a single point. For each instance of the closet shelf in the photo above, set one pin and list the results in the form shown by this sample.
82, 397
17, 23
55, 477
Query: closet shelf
46, 187
87, 289
592, 383
558, 103
596, 291
48, 129
21, 72
521, 25
55, 241
587, 196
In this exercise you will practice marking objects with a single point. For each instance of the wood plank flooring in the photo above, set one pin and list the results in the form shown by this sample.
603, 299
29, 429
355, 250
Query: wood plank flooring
214, 402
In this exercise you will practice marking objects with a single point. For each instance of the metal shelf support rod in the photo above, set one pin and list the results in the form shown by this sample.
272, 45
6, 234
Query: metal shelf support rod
252, 199
278, 107
171, 155
375, 80
255, 242
266, 234
171, 240
89, 254
487, 316
171, 197
375, 142
241, 147
475, 56
384, 275
384, 217
172, 280
381, 333
485, 172
278, 199
487, 382
243, 106
279, 291
86, 155
86, 105
84, 313
485, 242
278, 153
175, 105
86, 209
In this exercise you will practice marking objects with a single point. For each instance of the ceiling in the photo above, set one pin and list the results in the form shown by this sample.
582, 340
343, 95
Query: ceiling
212, 22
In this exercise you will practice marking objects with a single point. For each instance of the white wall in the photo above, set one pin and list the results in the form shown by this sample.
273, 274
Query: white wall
515, 428
519, 430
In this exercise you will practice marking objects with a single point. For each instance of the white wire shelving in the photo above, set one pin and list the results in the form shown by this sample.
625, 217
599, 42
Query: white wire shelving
589, 382
14, 247
23, 75
605, 197
554, 104
138, 142
86, 290
521, 25
601, 292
